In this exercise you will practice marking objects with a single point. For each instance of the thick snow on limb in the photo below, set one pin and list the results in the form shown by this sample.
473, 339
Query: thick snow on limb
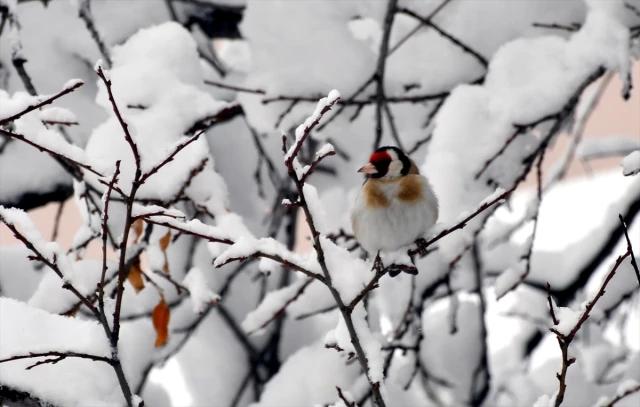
24, 329
156, 79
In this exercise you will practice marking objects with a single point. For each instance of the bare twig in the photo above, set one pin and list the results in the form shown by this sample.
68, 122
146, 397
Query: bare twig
75, 85
630, 248
55, 357
429, 22
380, 69
565, 339
628, 392
84, 12
123, 123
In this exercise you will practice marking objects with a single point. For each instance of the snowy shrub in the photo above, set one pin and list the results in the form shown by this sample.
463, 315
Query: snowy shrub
210, 149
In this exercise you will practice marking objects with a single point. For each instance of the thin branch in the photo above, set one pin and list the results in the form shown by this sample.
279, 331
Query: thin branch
66, 90
84, 12
565, 339
628, 392
281, 310
380, 68
55, 357
630, 248
429, 22
236, 88
179, 147
56, 220
64, 160
423, 245
105, 228
125, 128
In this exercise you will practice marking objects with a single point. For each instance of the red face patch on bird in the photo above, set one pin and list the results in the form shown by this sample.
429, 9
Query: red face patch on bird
379, 157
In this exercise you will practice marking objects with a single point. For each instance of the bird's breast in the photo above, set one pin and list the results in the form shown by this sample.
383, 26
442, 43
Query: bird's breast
389, 215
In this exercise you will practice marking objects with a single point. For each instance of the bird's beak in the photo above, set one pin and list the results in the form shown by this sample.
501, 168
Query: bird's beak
368, 169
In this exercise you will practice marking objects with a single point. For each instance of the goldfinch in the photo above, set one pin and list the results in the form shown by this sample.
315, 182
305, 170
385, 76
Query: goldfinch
396, 204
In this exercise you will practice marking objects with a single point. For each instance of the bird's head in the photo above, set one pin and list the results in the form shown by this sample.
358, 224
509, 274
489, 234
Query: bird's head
388, 163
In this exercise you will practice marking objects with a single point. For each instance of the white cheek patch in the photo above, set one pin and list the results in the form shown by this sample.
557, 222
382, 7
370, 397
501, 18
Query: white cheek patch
392, 154
395, 168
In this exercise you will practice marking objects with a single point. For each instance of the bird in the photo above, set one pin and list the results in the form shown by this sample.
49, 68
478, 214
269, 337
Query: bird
396, 204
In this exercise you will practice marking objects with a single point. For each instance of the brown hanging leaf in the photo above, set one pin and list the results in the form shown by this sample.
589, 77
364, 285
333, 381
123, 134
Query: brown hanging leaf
160, 317
164, 244
135, 276
164, 241
138, 227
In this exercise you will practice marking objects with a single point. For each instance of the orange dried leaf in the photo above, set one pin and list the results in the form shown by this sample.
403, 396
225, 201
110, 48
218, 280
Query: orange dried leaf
160, 317
137, 227
165, 266
135, 276
164, 241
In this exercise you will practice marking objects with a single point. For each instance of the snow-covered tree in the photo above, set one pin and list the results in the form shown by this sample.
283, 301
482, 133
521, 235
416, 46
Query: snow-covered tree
210, 148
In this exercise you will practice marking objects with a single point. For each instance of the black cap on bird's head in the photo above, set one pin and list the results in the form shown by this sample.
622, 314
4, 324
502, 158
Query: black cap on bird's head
387, 162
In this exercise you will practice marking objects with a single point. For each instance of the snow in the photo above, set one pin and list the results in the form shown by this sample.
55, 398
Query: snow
316, 209
273, 303
349, 274
307, 56
545, 401
631, 163
57, 115
248, 246
297, 385
17, 103
199, 292
158, 68
508, 279
567, 319
439, 344
50, 295
302, 129
604, 146
50, 251
72, 83
25, 329
139, 211
527, 79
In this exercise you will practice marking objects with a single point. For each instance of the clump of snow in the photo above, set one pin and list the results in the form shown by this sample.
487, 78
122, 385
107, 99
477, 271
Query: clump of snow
73, 83
10, 105
296, 384
545, 401
273, 303
158, 68
567, 319
146, 210
315, 208
605, 146
303, 128
509, 279
349, 274
57, 114
341, 338
199, 292
25, 329
527, 79
631, 163
50, 251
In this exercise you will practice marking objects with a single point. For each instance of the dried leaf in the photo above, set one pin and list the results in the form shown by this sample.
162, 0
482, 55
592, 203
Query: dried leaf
138, 227
135, 276
165, 266
160, 317
164, 241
